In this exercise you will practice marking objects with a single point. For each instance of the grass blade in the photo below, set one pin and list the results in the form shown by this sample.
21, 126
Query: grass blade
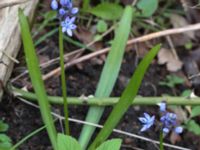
24, 139
126, 99
109, 74
45, 36
36, 78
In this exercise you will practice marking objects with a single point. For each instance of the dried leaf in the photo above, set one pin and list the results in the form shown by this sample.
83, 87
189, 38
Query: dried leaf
174, 138
165, 56
179, 21
86, 37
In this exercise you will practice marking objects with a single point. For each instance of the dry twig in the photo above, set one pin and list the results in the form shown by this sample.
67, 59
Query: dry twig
130, 42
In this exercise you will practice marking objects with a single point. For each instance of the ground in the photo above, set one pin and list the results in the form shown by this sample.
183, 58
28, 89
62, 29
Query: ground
82, 80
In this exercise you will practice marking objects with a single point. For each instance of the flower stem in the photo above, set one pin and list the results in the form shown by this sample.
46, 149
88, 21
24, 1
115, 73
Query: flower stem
63, 81
161, 140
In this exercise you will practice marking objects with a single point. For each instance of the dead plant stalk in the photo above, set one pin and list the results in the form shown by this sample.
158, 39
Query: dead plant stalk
130, 42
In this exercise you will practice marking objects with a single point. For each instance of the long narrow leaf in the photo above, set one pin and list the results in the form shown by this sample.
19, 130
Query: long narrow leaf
126, 99
109, 74
36, 78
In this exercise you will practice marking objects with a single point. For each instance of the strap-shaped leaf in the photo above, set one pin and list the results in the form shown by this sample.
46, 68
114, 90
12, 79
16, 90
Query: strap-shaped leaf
109, 74
36, 78
126, 99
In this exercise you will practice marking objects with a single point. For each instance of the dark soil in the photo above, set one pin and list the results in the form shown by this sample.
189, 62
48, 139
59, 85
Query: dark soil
23, 118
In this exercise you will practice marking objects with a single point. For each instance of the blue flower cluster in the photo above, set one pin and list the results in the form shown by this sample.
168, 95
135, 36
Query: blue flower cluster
66, 14
168, 121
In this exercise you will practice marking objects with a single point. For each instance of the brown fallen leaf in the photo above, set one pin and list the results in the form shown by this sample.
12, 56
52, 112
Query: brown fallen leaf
174, 138
86, 37
192, 67
165, 56
179, 21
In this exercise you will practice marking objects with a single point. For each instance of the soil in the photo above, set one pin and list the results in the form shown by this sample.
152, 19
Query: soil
23, 118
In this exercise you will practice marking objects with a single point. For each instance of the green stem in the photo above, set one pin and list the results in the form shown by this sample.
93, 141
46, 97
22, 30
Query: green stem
161, 140
63, 80
108, 101
86, 4
27, 137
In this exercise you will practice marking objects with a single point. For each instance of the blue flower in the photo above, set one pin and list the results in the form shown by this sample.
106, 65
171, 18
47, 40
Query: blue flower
147, 121
162, 106
68, 25
66, 14
169, 122
54, 4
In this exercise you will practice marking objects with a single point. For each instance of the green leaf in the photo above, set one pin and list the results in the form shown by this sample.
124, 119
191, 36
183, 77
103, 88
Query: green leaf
66, 142
5, 146
186, 93
109, 74
195, 111
102, 26
193, 127
5, 142
148, 7
4, 138
107, 11
3, 126
171, 81
175, 79
126, 98
36, 78
113, 144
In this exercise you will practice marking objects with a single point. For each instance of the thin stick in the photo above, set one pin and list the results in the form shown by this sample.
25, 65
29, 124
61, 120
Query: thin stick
95, 101
130, 42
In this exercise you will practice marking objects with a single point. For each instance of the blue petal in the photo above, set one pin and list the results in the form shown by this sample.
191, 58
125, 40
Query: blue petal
152, 119
54, 4
62, 11
67, 19
172, 116
162, 106
74, 11
64, 29
163, 118
144, 128
69, 32
73, 26
142, 119
166, 130
72, 20
147, 116
178, 129
66, 3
